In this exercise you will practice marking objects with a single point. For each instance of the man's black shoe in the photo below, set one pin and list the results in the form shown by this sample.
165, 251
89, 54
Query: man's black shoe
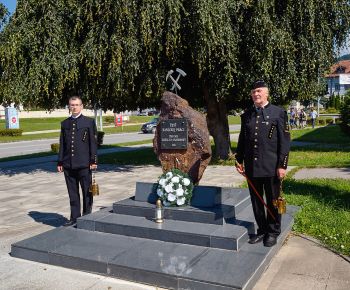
256, 239
70, 223
270, 241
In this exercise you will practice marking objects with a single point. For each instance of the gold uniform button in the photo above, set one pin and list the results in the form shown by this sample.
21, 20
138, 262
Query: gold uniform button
257, 122
255, 146
256, 133
258, 117
256, 128
256, 140
255, 158
72, 154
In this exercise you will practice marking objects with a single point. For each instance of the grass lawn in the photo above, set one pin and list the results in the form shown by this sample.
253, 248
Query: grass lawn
37, 124
143, 156
234, 120
331, 134
325, 210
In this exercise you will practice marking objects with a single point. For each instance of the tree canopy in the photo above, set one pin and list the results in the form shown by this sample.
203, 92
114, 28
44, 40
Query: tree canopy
3, 15
117, 53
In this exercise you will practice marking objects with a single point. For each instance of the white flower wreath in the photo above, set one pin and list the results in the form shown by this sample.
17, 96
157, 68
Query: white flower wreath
175, 188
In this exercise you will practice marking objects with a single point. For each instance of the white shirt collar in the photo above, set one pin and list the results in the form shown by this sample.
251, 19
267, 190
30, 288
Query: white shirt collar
262, 107
75, 117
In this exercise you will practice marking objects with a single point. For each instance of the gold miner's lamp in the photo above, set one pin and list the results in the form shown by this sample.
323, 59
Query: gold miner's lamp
280, 203
94, 189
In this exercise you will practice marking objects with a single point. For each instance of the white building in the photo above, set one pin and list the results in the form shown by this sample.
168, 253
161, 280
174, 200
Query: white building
338, 81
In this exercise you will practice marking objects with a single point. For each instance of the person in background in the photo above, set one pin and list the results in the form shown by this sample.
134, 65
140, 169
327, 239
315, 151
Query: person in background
313, 116
291, 118
302, 119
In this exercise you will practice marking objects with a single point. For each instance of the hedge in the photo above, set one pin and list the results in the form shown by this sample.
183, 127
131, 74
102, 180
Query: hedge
11, 132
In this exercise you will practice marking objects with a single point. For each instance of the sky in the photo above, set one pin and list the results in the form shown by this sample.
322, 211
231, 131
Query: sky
11, 6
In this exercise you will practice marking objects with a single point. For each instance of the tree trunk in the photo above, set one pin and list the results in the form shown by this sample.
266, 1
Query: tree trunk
218, 125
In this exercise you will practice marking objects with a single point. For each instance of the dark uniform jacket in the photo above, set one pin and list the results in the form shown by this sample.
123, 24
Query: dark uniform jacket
78, 145
264, 141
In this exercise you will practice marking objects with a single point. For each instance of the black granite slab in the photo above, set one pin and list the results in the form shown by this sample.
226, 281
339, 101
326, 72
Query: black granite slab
165, 264
203, 196
89, 220
249, 257
38, 247
212, 215
227, 236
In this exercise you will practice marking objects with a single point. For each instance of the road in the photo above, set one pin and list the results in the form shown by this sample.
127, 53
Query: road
44, 145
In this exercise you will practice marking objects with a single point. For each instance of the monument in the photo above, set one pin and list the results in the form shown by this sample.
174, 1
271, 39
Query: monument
182, 137
199, 246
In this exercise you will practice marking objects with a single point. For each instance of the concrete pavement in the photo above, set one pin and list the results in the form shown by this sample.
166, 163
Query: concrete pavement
33, 199
307, 173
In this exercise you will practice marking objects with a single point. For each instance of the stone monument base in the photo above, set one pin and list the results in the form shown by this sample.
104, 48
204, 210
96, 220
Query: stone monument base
196, 247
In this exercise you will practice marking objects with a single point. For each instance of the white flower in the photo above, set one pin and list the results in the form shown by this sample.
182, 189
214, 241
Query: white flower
171, 197
186, 192
186, 181
175, 179
169, 188
160, 192
162, 181
166, 203
180, 201
179, 192
169, 174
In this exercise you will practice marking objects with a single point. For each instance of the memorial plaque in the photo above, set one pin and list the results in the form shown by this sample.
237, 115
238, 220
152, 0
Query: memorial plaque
173, 134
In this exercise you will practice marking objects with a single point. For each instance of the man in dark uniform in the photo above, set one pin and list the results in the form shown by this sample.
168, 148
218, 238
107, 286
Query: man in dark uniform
263, 147
77, 157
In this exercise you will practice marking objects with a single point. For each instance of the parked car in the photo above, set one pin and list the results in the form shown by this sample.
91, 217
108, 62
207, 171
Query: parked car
150, 127
152, 113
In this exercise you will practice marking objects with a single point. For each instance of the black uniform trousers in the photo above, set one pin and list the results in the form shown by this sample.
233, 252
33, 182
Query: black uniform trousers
271, 187
74, 177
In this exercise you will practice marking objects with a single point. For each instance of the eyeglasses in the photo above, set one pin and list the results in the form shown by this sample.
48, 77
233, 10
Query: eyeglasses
75, 105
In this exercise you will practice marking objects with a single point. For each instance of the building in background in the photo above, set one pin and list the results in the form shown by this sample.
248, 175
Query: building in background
338, 81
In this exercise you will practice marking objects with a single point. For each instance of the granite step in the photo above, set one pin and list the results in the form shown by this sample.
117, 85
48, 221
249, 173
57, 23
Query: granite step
164, 264
230, 207
227, 236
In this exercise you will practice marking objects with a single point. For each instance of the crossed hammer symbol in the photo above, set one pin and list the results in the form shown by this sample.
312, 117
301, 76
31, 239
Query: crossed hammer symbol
175, 82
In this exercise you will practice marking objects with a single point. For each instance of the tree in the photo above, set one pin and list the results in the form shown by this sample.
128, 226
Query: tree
3, 15
3, 21
117, 53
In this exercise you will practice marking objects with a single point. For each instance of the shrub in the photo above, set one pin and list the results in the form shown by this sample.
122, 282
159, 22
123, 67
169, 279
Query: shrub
321, 122
55, 147
11, 132
109, 119
100, 135
329, 121
345, 115
331, 111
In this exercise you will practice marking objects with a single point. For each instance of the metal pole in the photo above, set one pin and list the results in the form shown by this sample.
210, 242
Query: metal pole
101, 126
95, 113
